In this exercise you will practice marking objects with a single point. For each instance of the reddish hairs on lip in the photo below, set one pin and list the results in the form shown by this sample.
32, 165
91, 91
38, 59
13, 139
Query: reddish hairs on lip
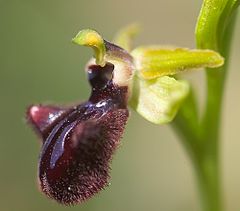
78, 142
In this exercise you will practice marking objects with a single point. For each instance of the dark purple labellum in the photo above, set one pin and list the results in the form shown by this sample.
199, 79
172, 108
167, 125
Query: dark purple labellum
78, 142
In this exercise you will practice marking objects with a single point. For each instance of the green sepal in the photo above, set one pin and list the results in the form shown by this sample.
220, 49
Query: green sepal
158, 100
91, 38
125, 36
153, 62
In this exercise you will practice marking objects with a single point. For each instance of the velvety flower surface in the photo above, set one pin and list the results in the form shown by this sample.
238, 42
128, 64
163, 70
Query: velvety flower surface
78, 142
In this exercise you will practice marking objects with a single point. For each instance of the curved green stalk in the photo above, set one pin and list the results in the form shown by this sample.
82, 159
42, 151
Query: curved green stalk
201, 136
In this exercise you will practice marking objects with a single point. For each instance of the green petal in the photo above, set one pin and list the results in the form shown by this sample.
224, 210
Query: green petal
125, 36
91, 38
158, 100
153, 62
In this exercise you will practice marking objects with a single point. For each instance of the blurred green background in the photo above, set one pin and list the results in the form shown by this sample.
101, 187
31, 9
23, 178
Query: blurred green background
38, 63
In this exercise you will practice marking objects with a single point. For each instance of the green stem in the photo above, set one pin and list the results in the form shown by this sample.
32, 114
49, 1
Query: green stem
201, 138
215, 90
205, 161
207, 164
207, 172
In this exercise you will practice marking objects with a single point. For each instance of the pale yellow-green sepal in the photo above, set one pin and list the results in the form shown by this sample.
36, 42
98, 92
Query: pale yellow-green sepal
91, 38
125, 36
158, 100
153, 62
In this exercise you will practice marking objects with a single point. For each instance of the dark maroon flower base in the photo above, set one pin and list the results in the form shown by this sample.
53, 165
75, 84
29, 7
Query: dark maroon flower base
78, 142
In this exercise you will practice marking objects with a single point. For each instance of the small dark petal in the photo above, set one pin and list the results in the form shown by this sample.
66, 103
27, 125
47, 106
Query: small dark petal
118, 52
76, 165
41, 117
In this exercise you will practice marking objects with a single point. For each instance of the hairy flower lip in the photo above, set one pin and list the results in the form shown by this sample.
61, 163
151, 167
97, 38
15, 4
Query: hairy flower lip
60, 173
79, 141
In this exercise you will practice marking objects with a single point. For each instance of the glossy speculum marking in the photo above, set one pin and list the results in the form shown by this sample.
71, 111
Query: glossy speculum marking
78, 142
